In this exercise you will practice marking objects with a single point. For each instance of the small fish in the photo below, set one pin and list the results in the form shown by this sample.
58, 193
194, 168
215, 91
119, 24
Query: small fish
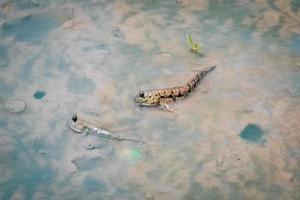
81, 126
164, 96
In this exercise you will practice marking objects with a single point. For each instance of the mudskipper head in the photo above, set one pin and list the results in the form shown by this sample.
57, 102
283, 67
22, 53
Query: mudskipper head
74, 118
76, 124
143, 99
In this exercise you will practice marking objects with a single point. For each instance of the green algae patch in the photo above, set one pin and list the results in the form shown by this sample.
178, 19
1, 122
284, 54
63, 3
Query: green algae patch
252, 133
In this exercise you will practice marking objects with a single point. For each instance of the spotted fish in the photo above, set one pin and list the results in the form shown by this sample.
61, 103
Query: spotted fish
167, 95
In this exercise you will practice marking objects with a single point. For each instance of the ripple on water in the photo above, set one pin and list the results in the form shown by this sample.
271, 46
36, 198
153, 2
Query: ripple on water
252, 133
80, 85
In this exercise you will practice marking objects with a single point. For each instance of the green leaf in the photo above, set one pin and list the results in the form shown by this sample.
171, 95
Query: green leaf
189, 40
195, 47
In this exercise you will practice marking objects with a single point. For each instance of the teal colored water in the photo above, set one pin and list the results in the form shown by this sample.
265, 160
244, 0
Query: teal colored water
295, 5
92, 57
252, 133
31, 28
93, 185
294, 44
39, 94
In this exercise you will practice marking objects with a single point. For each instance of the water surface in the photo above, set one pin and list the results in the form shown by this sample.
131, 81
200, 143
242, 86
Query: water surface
92, 57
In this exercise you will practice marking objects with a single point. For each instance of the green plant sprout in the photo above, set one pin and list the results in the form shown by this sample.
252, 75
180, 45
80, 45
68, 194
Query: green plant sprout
195, 47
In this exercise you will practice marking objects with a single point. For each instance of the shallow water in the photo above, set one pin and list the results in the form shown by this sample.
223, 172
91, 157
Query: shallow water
235, 137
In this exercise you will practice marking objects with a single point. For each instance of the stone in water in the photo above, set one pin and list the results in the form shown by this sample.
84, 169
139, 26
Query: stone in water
14, 106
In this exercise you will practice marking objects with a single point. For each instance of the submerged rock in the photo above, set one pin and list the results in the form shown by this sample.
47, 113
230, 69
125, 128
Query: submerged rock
14, 106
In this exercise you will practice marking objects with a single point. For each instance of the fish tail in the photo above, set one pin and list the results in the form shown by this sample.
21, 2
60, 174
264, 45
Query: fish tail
209, 69
119, 138
193, 83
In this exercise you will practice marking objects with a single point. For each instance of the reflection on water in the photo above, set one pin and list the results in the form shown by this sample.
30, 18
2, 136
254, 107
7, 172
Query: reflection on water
92, 58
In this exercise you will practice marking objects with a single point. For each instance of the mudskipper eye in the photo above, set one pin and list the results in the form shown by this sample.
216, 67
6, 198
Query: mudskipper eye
74, 118
142, 94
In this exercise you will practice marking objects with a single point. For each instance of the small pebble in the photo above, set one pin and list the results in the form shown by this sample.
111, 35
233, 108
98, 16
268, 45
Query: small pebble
14, 106
39, 94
